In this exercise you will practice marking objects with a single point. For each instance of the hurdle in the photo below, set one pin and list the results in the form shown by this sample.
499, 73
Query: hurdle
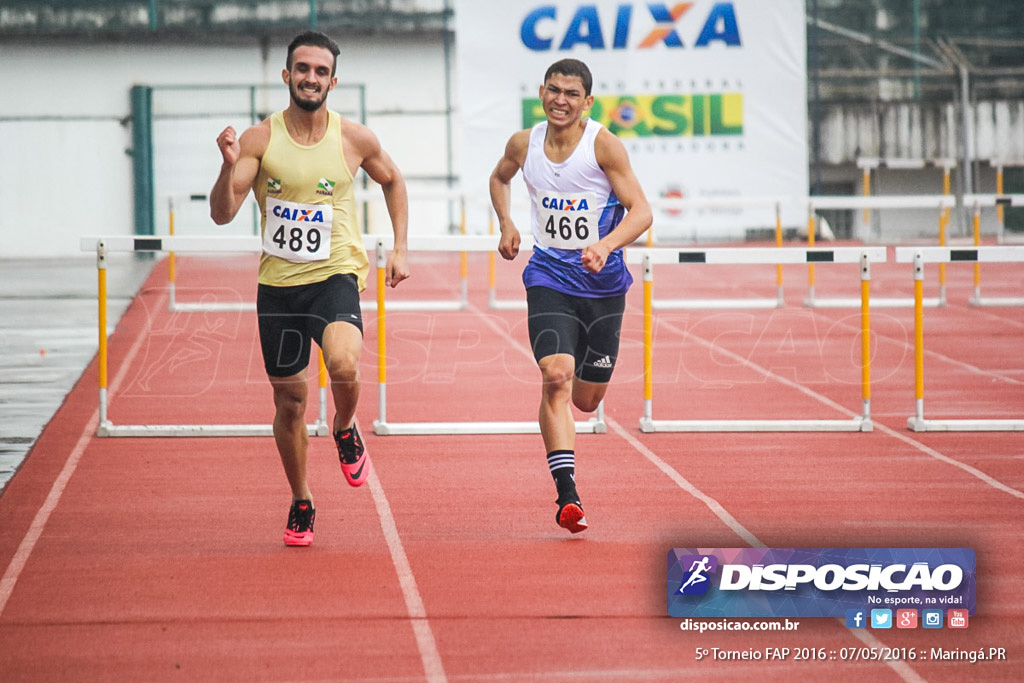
526, 243
106, 428
867, 203
976, 298
382, 427
778, 301
1000, 165
867, 165
172, 272
493, 302
919, 256
416, 243
863, 256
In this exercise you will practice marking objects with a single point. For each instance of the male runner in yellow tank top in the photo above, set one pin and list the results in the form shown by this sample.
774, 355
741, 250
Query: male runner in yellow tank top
300, 164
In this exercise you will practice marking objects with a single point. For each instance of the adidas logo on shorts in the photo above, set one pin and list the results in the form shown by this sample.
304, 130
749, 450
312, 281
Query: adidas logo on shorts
605, 362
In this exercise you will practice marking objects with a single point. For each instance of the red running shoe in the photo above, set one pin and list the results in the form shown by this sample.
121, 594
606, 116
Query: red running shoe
355, 461
300, 523
570, 516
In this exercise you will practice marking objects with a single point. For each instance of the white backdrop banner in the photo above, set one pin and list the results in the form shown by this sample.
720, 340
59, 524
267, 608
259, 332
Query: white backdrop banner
710, 98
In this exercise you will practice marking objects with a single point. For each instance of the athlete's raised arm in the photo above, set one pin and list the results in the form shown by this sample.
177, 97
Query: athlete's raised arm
239, 166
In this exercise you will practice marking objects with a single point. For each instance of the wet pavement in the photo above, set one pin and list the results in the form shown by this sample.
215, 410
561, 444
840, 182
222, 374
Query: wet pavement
48, 336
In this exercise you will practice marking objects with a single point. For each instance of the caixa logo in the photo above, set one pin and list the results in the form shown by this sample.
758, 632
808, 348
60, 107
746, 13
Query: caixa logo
298, 214
545, 25
565, 204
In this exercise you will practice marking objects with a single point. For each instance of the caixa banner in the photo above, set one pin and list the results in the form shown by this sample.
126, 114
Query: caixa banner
817, 582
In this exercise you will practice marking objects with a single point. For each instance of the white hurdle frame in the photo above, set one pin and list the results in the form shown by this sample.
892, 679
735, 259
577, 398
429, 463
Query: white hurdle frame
976, 298
722, 304
942, 203
172, 273
493, 302
382, 427
745, 256
416, 243
106, 428
253, 244
919, 256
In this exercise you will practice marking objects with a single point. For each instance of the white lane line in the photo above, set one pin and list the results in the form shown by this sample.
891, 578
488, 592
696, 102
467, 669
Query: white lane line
429, 654
35, 530
38, 525
685, 485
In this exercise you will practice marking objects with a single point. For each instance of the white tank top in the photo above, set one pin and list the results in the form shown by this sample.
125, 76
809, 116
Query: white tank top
572, 205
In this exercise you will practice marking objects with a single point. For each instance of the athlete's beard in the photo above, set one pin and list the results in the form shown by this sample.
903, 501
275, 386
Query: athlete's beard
308, 105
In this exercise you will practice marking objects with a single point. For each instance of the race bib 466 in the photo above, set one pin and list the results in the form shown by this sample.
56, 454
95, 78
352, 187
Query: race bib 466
568, 220
298, 232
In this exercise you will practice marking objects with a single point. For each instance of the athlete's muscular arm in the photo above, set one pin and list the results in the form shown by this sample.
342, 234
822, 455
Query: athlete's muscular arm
360, 141
239, 166
501, 192
614, 161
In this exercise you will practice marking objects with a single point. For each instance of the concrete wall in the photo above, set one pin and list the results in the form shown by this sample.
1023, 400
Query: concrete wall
65, 134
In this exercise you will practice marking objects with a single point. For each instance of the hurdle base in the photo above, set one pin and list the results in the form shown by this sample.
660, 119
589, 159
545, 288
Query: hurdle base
407, 305
858, 424
1008, 301
198, 307
714, 304
438, 428
879, 302
111, 430
921, 425
507, 305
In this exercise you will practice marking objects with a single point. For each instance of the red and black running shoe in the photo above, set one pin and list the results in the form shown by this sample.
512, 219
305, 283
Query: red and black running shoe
300, 523
355, 461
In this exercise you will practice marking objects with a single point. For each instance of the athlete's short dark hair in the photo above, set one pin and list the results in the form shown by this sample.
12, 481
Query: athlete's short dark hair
571, 67
315, 39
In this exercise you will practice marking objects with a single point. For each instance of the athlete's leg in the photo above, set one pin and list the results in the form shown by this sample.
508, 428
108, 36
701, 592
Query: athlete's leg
556, 422
555, 330
588, 395
599, 349
290, 431
558, 430
342, 346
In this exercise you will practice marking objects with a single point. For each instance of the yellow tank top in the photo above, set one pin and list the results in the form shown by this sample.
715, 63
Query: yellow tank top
306, 192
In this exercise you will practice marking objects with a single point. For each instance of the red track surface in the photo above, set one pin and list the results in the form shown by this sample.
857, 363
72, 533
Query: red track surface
161, 559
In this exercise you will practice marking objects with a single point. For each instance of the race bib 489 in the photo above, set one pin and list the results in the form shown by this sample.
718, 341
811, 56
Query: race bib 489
298, 232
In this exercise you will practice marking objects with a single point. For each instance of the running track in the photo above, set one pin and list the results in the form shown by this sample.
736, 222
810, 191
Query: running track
161, 559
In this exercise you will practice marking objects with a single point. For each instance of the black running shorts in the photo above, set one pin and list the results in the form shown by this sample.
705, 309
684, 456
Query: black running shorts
587, 329
291, 317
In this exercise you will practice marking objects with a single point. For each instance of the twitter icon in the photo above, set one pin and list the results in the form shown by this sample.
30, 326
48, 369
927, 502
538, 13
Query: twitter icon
881, 618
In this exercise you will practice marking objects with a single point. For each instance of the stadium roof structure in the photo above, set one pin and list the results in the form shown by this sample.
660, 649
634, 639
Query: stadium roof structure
177, 20
857, 49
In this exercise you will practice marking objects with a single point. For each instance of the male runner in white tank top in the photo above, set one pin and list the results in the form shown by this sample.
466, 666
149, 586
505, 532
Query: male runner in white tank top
300, 165
586, 204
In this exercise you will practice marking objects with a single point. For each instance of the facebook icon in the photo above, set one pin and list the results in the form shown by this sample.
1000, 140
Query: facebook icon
855, 618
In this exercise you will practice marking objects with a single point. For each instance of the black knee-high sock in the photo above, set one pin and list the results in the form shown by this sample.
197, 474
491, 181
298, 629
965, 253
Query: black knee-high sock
562, 464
